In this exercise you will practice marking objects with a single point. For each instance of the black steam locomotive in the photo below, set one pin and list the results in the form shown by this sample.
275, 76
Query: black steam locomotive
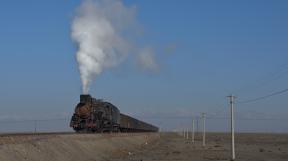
94, 115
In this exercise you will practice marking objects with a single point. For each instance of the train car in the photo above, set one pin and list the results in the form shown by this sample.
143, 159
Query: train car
93, 115
128, 124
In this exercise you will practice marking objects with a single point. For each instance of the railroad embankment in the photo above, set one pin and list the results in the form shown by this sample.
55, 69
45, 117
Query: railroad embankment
71, 147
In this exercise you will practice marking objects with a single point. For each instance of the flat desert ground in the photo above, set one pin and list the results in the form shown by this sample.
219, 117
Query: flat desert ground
249, 147
142, 147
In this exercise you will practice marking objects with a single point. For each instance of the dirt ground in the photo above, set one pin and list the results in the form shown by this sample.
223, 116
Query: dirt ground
142, 147
70, 147
249, 147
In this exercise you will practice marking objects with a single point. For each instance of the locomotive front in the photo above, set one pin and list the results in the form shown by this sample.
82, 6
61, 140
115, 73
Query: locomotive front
81, 114
92, 115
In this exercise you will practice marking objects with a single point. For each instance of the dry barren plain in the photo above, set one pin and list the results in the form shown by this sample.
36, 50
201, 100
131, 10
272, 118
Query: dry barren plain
142, 147
249, 147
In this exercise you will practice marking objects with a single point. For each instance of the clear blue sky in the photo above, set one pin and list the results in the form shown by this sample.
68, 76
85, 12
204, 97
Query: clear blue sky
220, 47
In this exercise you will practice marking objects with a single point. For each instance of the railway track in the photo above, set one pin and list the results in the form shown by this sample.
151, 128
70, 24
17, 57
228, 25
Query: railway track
65, 133
35, 134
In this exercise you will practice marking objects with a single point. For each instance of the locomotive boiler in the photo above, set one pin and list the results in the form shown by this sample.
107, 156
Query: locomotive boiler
94, 115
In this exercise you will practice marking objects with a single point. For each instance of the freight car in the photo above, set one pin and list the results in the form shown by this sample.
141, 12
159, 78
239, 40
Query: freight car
94, 115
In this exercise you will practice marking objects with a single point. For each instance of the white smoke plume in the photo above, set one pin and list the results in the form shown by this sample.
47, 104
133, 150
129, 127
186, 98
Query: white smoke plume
99, 29
146, 59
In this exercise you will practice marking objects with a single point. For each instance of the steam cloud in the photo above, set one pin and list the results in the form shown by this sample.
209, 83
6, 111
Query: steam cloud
146, 59
99, 29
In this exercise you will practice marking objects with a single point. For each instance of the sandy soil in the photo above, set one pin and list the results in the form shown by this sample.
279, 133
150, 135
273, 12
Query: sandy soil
72, 147
249, 147
142, 147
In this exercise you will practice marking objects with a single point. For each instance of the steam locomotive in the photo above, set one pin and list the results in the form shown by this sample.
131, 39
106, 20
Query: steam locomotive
94, 115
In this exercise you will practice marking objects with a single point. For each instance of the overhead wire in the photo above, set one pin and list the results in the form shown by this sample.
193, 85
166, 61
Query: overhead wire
263, 97
270, 77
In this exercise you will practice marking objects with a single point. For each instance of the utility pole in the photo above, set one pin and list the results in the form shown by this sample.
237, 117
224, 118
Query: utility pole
193, 134
204, 130
187, 134
197, 125
184, 133
35, 126
231, 101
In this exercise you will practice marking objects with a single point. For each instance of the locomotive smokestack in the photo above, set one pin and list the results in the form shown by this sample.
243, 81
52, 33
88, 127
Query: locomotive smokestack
84, 98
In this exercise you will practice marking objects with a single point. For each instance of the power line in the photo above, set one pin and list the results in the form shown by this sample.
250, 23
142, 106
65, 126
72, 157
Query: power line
251, 119
264, 97
270, 77
212, 118
29, 120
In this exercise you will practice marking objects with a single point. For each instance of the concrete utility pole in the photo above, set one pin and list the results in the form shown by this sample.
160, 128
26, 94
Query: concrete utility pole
193, 134
187, 134
197, 125
184, 133
231, 101
35, 126
204, 130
